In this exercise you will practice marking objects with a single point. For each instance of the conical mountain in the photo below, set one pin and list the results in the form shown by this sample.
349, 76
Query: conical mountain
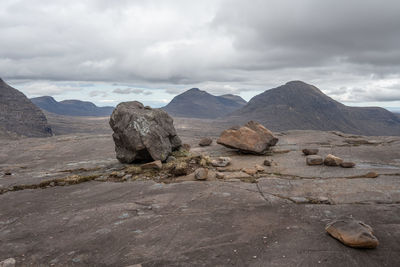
195, 103
298, 105
19, 115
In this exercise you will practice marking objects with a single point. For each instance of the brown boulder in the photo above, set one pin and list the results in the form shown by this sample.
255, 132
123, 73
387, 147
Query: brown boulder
332, 160
250, 138
352, 233
205, 142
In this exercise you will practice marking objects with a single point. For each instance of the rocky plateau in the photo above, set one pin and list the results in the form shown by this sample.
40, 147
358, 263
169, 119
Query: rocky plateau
67, 201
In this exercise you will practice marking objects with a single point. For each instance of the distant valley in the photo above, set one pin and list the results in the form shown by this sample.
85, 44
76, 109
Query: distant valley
293, 106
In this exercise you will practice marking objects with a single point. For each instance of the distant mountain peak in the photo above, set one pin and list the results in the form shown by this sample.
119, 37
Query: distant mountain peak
197, 103
301, 106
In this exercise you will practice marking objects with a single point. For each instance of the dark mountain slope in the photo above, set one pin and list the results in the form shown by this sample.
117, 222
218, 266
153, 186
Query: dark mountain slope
19, 115
195, 103
297, 105
71, 107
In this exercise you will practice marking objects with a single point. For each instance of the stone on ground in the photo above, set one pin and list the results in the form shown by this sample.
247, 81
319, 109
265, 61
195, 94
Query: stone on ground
250, 138
180, 169
205, 141
250, 171
186, 147
201, 174
310, 151
142, 134
170, 159
267, 162
352, 233
155, 165
10, 262
219, 175
314, 160
221, 162
259, 168
332, 160
347, 164
371, 175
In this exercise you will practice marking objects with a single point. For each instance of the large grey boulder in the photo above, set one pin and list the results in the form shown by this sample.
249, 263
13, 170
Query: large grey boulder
142, 133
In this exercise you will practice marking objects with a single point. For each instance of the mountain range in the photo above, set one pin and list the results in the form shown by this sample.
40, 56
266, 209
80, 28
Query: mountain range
195, 103
71, 107
298, 105
293, 106
19, 116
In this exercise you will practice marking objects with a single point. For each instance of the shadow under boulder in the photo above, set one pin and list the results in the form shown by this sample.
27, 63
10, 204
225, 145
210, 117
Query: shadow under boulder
142, 134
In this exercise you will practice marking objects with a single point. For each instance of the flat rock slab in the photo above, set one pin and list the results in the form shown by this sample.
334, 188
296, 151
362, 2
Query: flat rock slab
385, 189
184, 224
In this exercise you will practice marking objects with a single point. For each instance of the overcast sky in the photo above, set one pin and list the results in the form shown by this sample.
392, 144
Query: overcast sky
111, 51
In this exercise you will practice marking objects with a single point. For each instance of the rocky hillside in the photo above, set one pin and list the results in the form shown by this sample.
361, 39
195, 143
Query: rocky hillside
196, 103
18, 115
71, 107
297, 105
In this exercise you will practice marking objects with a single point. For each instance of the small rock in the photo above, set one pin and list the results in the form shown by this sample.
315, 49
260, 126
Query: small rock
267, 162
127, 177
250, 171
332, 160
259, 168
186, 147
52, 184
205, 141
7, 173
116, 174
170, 159
221, 162
310, 151
201, 174
155, 165
299, 200
181, 168
352, 233
219, 175
314, 160
347, 164
10, 262
371, 175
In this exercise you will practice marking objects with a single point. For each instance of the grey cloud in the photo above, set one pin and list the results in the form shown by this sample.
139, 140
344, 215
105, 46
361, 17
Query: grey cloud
96, 93
224, 46
126, 91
